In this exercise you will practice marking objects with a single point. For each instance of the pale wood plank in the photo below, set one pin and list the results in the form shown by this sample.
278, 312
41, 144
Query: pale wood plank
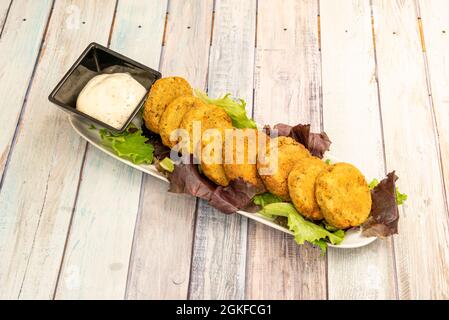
138, 30
422, 252
352, 119
160, 264
219, 255
19, 46
4, 7
41, 182
435, 19
102, 230
287, 90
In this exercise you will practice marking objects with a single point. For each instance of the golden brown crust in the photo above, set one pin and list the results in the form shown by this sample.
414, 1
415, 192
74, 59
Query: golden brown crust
212, 145
245, 169
301, 186
211, 158
289, 152
216, 118
172, 116
162, 93
343, 195
194, 117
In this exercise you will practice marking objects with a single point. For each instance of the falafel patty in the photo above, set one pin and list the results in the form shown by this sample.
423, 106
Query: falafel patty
172, 116
301, 187
239, 159
289, 152
211, 158
162, 93
190, 118
212, 145
343, 195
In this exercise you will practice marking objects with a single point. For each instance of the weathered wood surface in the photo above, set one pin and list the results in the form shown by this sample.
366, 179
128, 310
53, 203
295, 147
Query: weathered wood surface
352, 119
4, 10
435, 20
20, 42
39, 187
422, 248
287, 89
100, 239
219, 254
161, 258
77, 224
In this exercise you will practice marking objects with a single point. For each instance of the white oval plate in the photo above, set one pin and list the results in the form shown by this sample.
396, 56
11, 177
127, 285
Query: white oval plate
353, 238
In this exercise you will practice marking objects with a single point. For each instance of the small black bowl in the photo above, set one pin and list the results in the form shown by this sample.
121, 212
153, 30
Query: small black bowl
97, 59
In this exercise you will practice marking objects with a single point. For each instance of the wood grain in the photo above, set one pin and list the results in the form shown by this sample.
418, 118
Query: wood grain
40, 185
161, 258
4, 7
219, 255
422, 252
103, 224
435, 19
44, 180
352, 120
19, 45
287, 89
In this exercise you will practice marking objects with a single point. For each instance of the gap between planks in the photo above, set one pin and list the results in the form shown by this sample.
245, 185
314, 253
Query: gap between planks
382, 131
112, 23
24, 103
139, 209
432, 103
75, 201
320, 99
6, 18
421, 35
58, 278
165, 30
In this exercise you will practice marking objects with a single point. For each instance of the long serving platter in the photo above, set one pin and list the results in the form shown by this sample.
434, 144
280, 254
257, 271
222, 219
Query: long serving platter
353, 238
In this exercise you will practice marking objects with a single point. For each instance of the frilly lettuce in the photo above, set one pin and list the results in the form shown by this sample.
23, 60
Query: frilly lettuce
384, 216
235, 109
303, 229
130, 144
400, 197
266, 199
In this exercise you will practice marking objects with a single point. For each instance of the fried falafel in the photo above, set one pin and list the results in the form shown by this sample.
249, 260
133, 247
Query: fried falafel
343, 195
240, 156
173, 115
212, 145
211, 158
301, 186
191, 118
281, 160
162, 93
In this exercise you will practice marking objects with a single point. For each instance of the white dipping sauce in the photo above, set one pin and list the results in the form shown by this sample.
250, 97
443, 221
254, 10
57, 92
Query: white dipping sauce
111, 98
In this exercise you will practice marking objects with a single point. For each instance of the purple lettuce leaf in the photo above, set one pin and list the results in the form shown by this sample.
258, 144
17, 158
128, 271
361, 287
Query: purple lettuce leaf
384, 217
187, 179
236, 196
316, 143
160, 151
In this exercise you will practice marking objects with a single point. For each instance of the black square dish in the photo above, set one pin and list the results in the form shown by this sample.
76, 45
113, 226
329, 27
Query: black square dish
97, 59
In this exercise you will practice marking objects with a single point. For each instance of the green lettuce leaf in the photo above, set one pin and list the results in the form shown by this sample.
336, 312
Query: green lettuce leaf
129, 145
235, 109
303, 229
373, 184
265, 199
400, 197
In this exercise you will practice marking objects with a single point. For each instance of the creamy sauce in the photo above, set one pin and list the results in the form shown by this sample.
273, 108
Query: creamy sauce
111, 98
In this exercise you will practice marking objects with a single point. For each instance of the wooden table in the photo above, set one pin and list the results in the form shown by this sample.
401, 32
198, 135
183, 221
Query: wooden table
75, 223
